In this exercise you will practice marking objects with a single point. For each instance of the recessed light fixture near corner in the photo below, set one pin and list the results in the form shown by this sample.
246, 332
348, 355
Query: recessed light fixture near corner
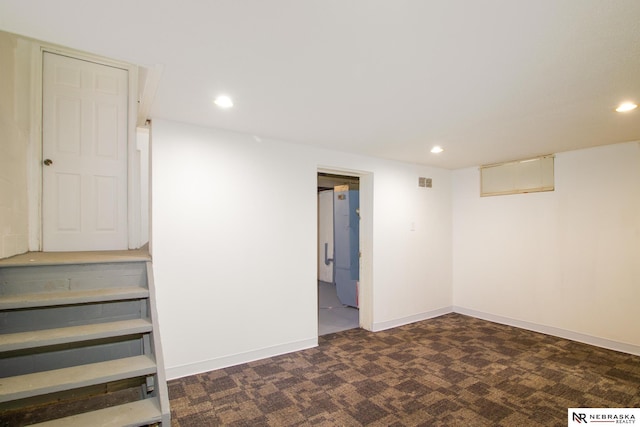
223, 101
437, 149
626, 106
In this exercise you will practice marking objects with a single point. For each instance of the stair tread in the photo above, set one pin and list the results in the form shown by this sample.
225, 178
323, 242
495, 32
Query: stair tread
44, 299
137, 413
22, 386
45, 337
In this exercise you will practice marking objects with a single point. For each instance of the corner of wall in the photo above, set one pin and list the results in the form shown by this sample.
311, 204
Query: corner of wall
14, 133
551, 330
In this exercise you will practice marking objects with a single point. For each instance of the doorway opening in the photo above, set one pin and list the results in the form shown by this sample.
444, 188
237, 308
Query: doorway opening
338, 252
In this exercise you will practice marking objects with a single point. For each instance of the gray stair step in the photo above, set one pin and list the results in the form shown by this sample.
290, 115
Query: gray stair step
31, 300
41, 338
23, 386
133, 414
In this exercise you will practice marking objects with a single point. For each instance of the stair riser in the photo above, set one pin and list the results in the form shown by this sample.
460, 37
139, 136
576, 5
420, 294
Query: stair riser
67, 355
16, 280
12, 321
131, 388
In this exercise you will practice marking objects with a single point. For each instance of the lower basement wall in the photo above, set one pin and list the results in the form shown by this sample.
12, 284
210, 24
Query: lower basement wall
234, 242
565, 262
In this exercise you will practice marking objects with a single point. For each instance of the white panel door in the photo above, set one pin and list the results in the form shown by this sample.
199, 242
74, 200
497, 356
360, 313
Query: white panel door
84, 151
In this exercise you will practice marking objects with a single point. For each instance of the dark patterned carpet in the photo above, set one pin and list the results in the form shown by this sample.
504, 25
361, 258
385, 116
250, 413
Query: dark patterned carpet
453, 370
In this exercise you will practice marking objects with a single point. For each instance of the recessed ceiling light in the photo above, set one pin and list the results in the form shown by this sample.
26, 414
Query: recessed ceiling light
437, 149
626, 106
223, 101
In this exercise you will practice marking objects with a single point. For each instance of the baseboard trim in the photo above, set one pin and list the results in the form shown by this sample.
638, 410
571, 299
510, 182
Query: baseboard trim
250, 356
551, 330
381, 326
237, 359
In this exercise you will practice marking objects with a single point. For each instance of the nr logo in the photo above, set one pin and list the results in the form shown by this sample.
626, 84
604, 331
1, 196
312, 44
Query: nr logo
579, 418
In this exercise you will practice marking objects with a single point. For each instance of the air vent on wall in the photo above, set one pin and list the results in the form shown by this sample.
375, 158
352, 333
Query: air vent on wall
424, 182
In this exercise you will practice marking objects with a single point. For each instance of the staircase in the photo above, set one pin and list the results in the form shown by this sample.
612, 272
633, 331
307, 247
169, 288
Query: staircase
79, 344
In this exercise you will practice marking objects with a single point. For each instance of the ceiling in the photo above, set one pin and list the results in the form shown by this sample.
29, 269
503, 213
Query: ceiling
487, 80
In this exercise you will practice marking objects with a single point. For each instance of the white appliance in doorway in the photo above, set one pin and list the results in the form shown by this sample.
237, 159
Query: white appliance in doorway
325, 236
84, 152
346, 247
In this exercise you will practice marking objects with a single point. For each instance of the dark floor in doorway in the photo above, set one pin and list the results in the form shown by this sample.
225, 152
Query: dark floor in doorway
333, 316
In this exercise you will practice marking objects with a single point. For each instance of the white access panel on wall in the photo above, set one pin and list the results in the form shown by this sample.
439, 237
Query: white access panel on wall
84, 152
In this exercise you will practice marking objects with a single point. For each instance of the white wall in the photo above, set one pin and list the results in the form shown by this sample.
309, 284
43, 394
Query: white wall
234, 235
412, 244
15, 74
565, 262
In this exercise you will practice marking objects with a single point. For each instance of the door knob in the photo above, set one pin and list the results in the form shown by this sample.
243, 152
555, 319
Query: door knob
48, 162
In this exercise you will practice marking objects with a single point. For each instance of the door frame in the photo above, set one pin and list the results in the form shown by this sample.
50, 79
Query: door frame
34, 183
366, 292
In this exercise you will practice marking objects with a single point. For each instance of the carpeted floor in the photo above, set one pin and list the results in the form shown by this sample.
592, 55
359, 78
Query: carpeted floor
453, 370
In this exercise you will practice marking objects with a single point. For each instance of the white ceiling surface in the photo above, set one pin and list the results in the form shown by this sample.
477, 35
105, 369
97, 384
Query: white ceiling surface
488, 80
